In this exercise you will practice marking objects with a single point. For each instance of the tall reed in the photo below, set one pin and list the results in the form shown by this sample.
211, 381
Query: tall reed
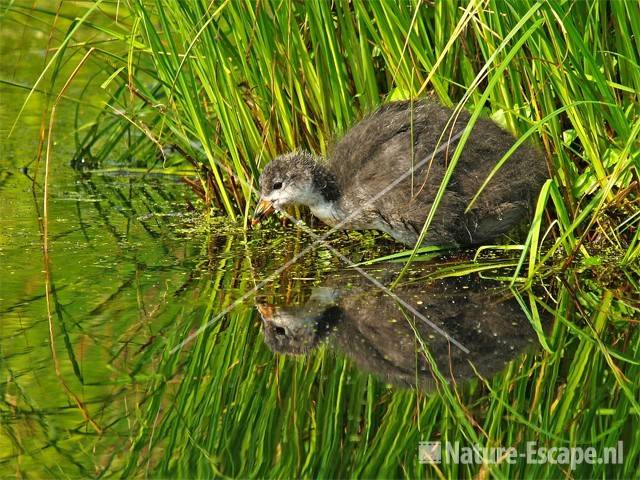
225, 86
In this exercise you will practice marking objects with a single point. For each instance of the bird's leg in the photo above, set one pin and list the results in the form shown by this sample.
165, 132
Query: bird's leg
286, 216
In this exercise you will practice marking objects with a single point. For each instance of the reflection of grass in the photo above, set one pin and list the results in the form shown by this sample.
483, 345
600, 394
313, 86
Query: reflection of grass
224, 406
221, 88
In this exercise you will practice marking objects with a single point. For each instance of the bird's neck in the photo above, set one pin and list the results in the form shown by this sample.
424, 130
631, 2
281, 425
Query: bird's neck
325, 203
326, 184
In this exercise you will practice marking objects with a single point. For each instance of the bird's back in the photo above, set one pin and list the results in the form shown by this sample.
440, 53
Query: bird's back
403, 136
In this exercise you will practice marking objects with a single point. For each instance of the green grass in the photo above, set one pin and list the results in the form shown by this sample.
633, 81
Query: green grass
223, 87
230, 85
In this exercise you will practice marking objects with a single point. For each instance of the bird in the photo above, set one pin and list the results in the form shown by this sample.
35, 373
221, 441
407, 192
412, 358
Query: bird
385, 172
383, 337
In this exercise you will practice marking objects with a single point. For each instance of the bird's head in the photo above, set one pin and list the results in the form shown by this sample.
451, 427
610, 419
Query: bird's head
292, 179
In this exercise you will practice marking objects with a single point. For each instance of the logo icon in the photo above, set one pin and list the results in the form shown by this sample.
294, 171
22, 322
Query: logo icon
429, 452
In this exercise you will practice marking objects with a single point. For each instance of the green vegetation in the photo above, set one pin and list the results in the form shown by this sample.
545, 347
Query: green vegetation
216, 89
224, 87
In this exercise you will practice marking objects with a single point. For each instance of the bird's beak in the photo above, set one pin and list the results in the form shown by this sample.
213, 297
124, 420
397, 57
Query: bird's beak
266, 311
264, 208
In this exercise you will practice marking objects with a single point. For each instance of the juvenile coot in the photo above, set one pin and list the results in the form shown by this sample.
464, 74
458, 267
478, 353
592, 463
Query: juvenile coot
383, 175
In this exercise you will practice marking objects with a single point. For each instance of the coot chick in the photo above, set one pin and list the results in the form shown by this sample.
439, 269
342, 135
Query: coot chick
383, 175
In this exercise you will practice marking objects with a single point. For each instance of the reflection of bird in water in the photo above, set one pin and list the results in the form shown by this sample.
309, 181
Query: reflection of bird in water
395, 145
380, 336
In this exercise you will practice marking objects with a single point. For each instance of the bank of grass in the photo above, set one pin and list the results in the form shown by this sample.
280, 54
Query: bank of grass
223, 87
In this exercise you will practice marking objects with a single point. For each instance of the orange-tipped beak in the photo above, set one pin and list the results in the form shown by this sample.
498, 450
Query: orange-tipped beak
264, 208
266, 311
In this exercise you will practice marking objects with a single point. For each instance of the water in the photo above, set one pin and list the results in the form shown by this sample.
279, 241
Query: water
134, 272
167, 346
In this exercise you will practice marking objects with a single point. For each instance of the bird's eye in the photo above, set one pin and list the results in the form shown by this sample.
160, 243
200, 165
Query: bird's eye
277, 185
